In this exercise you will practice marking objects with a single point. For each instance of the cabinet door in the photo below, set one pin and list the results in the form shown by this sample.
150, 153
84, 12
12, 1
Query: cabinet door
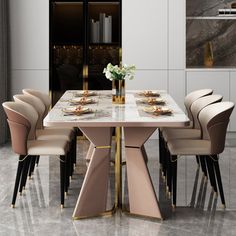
217, 80
148, 79
233, 99
144, 33
29, 33
177, 86
176, 34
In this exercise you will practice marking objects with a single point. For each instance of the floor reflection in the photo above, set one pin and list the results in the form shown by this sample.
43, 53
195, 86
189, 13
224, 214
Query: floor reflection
37, 211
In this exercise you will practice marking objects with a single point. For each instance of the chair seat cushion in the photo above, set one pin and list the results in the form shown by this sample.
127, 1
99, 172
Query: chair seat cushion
189, 147
47, 147
181, 134
54, 134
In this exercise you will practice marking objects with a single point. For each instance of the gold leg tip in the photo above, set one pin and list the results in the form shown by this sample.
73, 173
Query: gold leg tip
173, 206
74, 165
66, 193
62, 206
223, 206
12, 205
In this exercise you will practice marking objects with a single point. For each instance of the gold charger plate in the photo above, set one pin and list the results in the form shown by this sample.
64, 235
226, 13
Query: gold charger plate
152, 101
149, 93
155, 110
85, 93
76, 110
82, 101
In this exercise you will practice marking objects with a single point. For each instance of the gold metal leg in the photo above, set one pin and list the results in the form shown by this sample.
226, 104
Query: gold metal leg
118, 173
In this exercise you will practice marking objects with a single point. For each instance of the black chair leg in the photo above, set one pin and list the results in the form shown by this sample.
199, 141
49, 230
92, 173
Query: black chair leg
25, 171
211, 172
160, 147
197, 159
169, 171
18, 177
164, 159
62, 179
37, 160
174, 178
203, 165
32, 165
218, 176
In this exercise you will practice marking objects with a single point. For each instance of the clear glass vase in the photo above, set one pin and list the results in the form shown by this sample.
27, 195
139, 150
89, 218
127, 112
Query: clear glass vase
118, 91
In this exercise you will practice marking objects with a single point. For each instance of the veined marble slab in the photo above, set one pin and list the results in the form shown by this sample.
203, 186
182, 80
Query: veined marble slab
106, 114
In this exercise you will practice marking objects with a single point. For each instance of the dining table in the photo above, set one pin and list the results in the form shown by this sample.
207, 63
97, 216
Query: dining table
134, 121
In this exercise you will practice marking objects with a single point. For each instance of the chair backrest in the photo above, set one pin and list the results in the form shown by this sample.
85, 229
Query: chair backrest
41, 95
22, 119
214, 120
199, 104
193, 96
36, 103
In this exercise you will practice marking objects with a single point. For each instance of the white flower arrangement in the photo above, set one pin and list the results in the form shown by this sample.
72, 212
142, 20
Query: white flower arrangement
119, 72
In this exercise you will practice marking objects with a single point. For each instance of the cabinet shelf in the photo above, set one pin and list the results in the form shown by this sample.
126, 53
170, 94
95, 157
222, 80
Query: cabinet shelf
211, 18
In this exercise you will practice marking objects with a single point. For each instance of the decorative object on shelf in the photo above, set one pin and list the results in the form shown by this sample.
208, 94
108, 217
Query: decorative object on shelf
118, 75
101, 30
208, 55
233, 5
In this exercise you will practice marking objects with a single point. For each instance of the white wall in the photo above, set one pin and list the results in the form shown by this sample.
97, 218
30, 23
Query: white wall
29, 40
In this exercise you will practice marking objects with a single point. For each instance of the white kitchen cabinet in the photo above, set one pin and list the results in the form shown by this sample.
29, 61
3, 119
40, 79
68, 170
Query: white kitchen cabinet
176, 34
217, 80
177, 86
149, 79
144, 33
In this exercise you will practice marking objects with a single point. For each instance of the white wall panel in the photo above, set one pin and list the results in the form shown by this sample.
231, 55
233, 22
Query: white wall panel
177, 86
36, 79
148, 79
217, 80
176, 34
29, 34
144, 33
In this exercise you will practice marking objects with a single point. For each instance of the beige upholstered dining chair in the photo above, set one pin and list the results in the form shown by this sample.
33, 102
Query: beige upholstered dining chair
188, 101
47, 103
46, 134
214, 120
192, 133
22, 119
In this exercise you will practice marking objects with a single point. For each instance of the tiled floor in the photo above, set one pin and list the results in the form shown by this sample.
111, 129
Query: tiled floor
38, 211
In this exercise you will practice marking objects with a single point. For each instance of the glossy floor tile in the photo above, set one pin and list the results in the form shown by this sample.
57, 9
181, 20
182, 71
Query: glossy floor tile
38, 210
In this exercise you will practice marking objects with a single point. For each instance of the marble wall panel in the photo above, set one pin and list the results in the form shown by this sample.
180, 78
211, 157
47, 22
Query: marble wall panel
222, 36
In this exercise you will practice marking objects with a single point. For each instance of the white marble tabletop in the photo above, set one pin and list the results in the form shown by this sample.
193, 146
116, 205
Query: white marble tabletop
106, 114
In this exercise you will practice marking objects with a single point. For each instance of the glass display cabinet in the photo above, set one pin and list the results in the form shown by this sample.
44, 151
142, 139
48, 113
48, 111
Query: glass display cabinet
84, 37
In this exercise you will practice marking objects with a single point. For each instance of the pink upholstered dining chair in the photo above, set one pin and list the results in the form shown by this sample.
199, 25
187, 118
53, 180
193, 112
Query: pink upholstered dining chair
214, 120
47, 103
47, 134
22, 119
